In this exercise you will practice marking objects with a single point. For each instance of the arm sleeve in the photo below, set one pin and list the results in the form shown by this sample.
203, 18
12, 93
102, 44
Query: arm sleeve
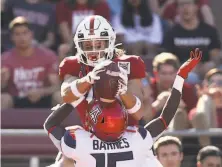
52, 125
156, 126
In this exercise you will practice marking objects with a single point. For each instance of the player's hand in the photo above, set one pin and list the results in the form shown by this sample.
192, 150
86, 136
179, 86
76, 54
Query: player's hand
122, 82
190, 64
92, 76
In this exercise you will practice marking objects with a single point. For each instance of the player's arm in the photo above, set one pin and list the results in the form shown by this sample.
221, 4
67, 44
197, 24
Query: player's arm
53, 125
73, 88
131, 102
139, 86
158, 125
141, 89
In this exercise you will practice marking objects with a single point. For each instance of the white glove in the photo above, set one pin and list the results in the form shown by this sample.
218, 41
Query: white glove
123, 82
92, 76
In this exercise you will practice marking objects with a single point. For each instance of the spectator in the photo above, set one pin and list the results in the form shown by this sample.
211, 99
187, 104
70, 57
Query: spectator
169, 10
208, 112
191, 33
41, 16
169, 151
138, 27
69, 13
29, 73
165, 67
209, 156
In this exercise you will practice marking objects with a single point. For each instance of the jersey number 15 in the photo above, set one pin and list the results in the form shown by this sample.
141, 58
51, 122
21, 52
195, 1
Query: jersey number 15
112, 158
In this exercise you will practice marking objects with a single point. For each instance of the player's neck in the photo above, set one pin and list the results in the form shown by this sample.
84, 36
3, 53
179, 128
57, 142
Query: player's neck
190, 24
25, 52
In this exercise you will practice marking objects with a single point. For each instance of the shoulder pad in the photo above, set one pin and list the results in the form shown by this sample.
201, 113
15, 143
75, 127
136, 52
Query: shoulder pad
70, 139
143, 132
69, 65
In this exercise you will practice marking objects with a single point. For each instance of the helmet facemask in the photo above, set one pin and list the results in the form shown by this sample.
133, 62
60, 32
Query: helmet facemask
95, 50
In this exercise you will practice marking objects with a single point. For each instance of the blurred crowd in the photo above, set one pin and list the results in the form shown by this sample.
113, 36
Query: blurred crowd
162, 32
169, 151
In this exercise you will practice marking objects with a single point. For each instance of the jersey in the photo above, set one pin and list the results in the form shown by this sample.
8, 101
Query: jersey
133, 149
134, 66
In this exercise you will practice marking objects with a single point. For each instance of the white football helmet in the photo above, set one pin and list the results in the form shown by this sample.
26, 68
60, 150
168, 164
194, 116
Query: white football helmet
94, 40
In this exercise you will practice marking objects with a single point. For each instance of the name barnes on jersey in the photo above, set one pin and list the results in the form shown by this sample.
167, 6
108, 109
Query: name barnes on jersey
101, 145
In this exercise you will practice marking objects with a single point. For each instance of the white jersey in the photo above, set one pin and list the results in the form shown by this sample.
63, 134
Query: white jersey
132, 150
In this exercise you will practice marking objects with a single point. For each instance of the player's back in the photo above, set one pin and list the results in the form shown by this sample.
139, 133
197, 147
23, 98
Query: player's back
132, 150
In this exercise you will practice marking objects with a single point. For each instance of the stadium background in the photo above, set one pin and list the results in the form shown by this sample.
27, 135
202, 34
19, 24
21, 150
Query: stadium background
24, 144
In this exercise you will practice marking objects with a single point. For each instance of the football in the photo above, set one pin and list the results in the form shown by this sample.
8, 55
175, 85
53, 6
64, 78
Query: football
107, 86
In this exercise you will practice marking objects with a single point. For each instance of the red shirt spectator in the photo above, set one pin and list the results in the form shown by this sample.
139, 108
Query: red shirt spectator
76, 12
29, 72
188, 95
170, 11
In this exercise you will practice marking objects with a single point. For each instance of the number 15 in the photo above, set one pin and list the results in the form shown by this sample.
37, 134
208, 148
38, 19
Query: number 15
112, 158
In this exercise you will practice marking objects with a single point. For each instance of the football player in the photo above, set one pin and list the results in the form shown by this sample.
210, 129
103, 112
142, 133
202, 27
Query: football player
110, 143
95, 43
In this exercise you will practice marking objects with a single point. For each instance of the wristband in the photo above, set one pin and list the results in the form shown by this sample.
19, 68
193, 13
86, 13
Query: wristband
178, 83
136, 107
75, 90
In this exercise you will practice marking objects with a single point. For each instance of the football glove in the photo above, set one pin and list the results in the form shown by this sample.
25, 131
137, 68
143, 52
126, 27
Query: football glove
190, 64
92, 76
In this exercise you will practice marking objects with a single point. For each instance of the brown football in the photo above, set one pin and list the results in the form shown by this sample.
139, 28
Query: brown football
107, 86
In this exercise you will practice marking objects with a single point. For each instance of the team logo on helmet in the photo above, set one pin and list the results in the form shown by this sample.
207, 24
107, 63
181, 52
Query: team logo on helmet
94, 113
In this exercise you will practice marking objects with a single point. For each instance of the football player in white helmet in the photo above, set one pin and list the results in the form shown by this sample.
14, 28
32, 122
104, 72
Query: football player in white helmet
94, 40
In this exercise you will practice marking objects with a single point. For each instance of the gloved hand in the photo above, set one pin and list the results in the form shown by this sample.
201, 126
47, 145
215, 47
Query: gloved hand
92, 76
190, 64
122, 82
